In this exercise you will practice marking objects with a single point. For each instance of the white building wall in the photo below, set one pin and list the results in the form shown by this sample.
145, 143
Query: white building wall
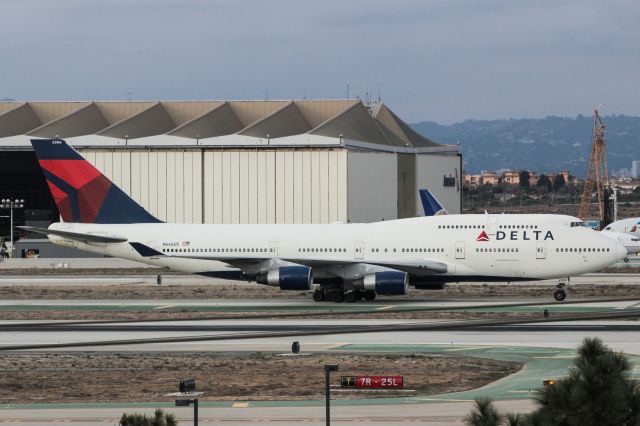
430, 173
372, 186
231, 186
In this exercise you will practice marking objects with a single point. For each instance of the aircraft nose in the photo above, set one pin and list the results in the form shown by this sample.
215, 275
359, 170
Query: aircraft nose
621, 251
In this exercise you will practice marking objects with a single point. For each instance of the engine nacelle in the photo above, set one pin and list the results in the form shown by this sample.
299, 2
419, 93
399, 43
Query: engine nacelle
288, 278
388, 282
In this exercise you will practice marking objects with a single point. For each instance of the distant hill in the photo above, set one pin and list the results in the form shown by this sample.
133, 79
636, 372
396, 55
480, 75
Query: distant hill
546, 145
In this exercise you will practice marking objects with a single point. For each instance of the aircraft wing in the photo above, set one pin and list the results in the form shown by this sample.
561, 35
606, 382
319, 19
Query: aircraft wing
410, 266
76, 236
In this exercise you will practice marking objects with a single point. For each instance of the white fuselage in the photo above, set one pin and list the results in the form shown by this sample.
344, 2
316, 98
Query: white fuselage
626, 226
629, 241
516, 247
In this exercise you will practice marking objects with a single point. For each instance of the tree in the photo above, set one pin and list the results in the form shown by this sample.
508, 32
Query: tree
160, 418
484, 414
598, 391
544, 181
524, 179
515, 419
558, 182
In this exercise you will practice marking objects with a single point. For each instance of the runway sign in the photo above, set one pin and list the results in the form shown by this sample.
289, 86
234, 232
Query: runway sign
372, 382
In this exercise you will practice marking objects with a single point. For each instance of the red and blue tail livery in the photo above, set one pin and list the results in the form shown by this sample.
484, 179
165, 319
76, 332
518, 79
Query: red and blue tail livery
81, 192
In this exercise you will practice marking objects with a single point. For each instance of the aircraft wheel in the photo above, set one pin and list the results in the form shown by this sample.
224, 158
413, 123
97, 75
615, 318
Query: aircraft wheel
626, 260
350, 297
338, 297
318, 295
369, 295
559, 295
359, 295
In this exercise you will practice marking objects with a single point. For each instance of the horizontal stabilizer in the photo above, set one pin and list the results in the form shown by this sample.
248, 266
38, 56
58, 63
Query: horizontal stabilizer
76, 236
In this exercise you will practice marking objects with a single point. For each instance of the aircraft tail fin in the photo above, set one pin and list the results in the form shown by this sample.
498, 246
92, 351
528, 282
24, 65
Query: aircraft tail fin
430, 204
81, 192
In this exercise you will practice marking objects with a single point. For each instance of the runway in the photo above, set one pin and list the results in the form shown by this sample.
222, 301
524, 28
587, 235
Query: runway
546, 348
438, 414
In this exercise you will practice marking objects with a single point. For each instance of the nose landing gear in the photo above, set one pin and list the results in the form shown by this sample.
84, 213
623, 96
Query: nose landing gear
560, 294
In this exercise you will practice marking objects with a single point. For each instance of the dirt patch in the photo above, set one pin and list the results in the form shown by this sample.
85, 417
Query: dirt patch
55, 315
235, 290
108, 377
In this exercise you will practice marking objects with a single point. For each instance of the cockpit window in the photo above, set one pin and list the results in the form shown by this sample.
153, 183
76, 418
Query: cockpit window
608, 228
574, 224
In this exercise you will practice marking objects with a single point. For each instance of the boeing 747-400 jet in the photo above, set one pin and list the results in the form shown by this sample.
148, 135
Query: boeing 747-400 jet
347, 261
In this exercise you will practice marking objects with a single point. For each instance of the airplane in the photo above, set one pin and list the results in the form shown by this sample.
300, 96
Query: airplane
348, 262
430, 204
629, 241
433, 207
627, 226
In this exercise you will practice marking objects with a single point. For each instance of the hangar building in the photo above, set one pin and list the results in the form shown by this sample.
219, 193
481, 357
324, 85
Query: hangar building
302, 161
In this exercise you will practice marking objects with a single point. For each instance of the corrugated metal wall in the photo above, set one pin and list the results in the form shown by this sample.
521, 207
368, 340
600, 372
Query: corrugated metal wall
430, 173
232, 186
373, 188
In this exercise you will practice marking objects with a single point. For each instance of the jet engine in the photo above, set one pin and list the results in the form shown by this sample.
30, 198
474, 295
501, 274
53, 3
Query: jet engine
287, 278
387, 282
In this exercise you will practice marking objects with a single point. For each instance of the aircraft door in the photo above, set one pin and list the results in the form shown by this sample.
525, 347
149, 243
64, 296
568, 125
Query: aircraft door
492, 224
541, 250
459, 249
358, 250
273, 248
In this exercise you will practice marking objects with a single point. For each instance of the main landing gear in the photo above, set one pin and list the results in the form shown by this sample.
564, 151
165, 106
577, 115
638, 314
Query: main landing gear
560, 294
339, 295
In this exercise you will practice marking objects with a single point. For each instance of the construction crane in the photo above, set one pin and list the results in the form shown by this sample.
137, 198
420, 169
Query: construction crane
597, 177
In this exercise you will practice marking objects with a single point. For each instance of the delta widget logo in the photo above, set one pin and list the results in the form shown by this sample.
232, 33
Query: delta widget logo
482, 237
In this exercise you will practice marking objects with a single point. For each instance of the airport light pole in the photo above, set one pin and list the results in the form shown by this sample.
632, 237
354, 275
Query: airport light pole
328, 368
10, 204
188, 396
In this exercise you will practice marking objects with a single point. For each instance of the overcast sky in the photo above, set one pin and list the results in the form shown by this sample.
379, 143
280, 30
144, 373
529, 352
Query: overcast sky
444, 60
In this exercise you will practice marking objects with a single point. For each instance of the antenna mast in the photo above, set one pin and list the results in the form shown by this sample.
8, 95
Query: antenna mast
596, 173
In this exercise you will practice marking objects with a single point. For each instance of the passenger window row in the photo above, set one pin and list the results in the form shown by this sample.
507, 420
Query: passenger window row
216, 250
497, 250
322, 250
582, 250
423, 250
